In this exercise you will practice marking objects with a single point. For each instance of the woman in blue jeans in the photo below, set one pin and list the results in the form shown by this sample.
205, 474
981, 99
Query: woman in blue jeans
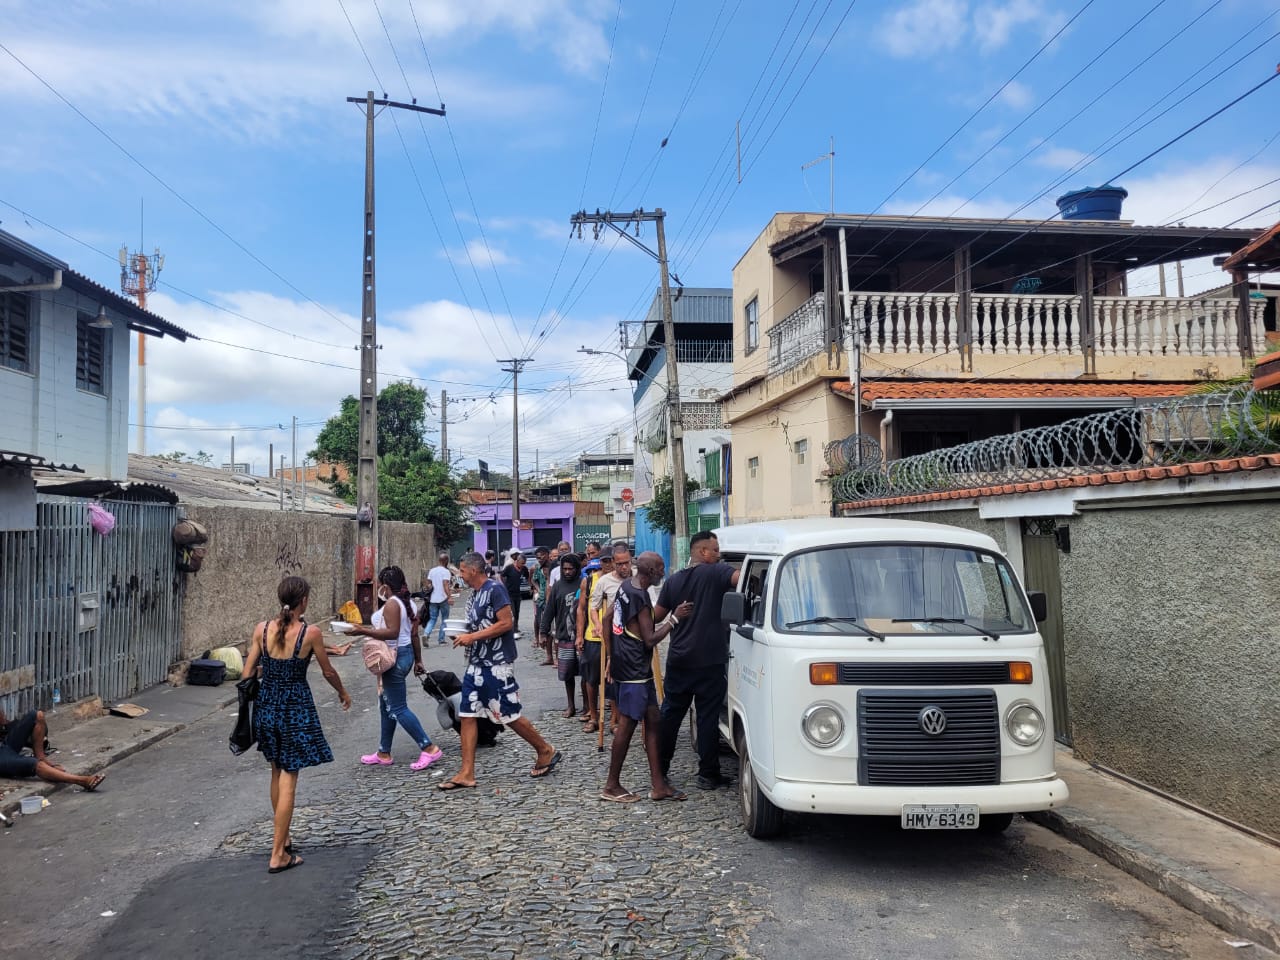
394, 624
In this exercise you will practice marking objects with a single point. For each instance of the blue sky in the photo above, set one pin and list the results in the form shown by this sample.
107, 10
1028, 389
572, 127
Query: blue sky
238, 107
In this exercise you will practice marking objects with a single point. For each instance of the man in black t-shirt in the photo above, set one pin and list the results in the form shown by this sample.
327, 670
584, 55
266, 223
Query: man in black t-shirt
698, 656
631, 641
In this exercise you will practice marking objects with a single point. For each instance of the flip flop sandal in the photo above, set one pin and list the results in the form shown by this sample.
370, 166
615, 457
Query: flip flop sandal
678, 795
624, 798
293, 862
95, 782
539, 772
450, 785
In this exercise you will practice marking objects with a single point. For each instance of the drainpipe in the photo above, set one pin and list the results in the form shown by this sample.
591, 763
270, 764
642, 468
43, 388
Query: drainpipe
54, 284
884, 434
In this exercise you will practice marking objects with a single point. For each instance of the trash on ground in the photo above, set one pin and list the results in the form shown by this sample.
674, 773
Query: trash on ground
130, 710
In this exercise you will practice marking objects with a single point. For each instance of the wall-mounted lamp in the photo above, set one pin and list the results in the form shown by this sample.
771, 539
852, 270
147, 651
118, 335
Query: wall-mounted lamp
101, 321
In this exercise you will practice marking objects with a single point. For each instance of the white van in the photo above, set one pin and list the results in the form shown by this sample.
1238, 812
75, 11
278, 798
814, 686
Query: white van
885, 667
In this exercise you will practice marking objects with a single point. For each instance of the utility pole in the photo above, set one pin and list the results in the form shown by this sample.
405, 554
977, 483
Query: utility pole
619, 223
281, 472
517, 365
367, 445
444, 427
293, 465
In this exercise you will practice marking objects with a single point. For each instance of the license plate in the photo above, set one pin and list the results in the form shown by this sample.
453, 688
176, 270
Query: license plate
940, 816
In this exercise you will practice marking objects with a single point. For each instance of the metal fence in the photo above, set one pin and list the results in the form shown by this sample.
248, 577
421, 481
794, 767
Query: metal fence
85, 614
1229, 423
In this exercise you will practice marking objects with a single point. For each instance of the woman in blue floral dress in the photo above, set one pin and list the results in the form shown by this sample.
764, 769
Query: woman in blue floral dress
285, 719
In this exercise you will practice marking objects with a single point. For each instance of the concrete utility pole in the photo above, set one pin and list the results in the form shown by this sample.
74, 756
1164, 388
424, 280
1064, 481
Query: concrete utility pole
619, 223
517, 365
444, 426
367, 445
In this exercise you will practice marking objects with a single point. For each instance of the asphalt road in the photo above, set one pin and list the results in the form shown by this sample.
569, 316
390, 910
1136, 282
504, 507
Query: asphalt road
167, 860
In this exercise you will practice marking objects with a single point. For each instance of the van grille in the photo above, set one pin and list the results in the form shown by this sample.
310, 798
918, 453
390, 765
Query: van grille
924, 674
894, 751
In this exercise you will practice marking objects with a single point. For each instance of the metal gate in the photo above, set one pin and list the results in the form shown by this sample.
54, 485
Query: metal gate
86, 614
1040, 558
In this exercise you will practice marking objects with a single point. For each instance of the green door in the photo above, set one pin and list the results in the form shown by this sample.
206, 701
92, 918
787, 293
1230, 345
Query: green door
1040, 557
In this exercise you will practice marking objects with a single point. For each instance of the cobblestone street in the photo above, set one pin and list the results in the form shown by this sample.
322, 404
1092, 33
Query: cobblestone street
173, 852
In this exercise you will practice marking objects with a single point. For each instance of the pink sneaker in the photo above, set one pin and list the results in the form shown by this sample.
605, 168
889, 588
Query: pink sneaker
426, 759
372, 759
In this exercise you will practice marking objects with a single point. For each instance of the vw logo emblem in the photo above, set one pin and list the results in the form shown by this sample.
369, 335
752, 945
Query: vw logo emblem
932, 721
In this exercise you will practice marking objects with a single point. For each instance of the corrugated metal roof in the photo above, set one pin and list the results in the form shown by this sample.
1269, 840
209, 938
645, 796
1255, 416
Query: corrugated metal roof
34, 462
142, 321
693, 305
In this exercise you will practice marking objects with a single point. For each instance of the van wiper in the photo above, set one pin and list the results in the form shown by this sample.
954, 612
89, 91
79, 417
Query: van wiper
983, 630
853, 621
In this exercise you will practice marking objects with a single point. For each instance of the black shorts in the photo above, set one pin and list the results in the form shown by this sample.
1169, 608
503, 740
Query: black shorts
13, 765
589, 662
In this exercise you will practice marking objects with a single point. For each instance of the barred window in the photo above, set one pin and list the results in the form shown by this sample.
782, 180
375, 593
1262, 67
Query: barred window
91, 350
15, 331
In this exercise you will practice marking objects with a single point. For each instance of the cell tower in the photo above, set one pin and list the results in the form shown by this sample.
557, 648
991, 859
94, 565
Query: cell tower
138, 273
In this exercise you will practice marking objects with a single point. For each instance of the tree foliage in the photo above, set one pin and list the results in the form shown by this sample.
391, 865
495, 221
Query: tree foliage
661, 508
413, 485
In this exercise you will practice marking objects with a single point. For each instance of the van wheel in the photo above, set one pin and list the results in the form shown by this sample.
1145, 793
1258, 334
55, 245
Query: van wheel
760, 818
994, 822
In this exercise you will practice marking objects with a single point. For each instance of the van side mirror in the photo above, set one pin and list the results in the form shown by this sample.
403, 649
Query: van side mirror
733, 609
1039, 605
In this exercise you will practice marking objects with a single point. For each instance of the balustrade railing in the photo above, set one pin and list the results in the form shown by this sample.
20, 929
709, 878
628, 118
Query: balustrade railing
799, 335
1021, 324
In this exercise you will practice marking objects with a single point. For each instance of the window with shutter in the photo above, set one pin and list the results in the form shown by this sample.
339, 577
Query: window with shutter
91, 349
15, 331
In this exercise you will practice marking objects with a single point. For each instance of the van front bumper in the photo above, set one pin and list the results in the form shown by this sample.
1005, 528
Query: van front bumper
888, 801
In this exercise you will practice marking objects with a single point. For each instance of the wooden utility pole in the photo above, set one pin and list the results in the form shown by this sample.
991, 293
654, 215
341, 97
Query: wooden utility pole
619, 222
517, 365
367, 445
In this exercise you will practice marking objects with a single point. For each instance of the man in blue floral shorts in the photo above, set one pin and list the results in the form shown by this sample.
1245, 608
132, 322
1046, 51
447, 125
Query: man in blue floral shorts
489, 687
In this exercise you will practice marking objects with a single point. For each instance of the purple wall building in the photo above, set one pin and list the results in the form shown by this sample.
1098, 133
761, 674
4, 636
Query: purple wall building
551, 523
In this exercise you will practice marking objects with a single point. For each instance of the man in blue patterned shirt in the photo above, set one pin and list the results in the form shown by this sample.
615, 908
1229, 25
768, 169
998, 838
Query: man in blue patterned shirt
489, 687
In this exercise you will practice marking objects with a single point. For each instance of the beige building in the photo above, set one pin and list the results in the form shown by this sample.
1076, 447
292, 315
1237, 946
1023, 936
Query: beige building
964, 329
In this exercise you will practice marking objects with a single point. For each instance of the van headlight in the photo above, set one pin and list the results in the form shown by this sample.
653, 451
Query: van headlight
1025, 724
822, 725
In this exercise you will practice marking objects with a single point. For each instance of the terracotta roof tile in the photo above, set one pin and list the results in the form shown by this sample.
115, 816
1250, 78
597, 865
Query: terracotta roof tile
1009, 389
1231, 465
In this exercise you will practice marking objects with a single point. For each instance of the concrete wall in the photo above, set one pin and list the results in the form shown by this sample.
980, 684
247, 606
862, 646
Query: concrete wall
251, 550
45, 413
1170, 641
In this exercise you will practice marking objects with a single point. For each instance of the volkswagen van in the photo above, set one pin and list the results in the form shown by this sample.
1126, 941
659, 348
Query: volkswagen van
889, 668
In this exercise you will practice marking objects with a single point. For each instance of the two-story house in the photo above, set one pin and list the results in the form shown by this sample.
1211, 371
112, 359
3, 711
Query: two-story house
703, 322
64, 361
953, 330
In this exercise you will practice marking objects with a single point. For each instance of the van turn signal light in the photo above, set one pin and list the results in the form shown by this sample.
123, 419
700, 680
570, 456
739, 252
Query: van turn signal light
1019, 671
825, 674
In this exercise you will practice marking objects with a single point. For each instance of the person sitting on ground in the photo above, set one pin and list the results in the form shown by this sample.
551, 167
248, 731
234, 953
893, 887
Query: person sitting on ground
30, 730
631, 642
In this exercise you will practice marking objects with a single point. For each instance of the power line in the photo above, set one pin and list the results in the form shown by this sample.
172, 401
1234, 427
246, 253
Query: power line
183, 200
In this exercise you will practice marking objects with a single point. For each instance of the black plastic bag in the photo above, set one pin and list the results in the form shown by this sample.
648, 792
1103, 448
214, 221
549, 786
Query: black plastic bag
243, 737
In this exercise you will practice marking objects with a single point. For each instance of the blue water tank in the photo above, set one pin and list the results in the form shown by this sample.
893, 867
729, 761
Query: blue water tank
1093, 203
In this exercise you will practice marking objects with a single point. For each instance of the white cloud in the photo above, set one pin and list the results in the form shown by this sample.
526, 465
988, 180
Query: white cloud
1016, 95
1059, 158
924, 26
482, 255
995, 23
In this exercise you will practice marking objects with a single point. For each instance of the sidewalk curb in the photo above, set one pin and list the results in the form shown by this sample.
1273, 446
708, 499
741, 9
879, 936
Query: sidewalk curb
39, 788
1222, 905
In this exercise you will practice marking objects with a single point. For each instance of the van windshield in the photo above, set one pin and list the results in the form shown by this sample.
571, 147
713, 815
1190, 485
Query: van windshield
900, 588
